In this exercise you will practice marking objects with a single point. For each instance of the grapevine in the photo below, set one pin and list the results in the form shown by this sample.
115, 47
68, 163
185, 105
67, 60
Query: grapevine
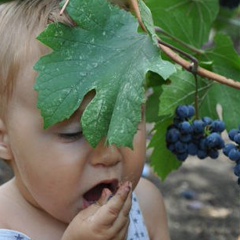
189, 135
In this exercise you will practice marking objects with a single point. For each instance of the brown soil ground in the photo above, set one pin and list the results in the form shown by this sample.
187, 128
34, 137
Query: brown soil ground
202, 200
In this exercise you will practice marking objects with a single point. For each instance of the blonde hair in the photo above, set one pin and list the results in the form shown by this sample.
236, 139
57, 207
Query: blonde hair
21, 21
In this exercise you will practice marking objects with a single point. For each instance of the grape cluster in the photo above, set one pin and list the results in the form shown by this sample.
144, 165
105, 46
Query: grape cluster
196, 137
231, 4
232, 150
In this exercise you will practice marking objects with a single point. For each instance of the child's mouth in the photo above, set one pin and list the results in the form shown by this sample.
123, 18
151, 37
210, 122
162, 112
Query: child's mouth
94, 194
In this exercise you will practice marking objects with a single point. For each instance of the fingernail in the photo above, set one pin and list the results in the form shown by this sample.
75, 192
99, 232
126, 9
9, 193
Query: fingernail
128, 186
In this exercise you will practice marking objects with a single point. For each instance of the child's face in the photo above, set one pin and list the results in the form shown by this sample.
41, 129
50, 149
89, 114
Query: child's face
54, 170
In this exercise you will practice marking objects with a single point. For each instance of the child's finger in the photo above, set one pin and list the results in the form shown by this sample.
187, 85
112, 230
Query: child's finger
123, 220
108, 213
121, 233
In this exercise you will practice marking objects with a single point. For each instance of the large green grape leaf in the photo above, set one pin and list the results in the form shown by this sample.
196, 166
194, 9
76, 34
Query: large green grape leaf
105, 53
152, 105
188, 20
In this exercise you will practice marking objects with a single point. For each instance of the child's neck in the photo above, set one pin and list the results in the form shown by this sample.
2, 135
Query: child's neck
18, 214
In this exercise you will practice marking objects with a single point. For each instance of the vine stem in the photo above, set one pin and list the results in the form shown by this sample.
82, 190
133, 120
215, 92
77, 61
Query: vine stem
135, 8
195, 69
200, 71
161, 31
178, 59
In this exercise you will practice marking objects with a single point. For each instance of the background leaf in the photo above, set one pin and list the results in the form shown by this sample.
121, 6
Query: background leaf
225, 59
187, 20
4, 1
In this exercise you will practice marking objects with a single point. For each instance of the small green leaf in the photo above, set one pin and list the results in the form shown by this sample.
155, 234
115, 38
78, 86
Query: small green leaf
152, 105
104, 53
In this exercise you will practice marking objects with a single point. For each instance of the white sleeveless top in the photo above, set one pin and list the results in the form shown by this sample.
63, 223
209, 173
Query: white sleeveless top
137, 229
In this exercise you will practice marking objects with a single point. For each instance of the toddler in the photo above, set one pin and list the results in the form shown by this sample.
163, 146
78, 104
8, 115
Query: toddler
62, 187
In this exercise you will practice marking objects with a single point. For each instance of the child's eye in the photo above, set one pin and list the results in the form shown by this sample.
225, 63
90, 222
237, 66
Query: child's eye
71, 136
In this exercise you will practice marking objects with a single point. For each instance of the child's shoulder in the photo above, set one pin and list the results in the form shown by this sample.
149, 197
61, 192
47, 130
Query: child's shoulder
5, 205
153, 208
10, 204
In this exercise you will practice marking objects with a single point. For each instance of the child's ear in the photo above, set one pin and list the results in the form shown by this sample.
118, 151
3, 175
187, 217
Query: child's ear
5, 152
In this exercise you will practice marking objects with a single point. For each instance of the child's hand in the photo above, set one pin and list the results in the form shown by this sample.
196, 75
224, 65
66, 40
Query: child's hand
107, 220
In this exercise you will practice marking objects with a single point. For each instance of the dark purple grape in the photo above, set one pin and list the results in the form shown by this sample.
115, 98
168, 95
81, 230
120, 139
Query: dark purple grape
182, 156
231, 4
212, 153
171, 147
192, 149
228, 147
237, 170
182, 112
207, 121
202, 144
213, 140
185, 127
198, 126
191, 111
202, 154
232, 133
172, 135
180, 147
234, 154
217, 126
237, 138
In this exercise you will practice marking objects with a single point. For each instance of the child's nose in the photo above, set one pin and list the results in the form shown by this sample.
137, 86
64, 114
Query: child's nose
105, 155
